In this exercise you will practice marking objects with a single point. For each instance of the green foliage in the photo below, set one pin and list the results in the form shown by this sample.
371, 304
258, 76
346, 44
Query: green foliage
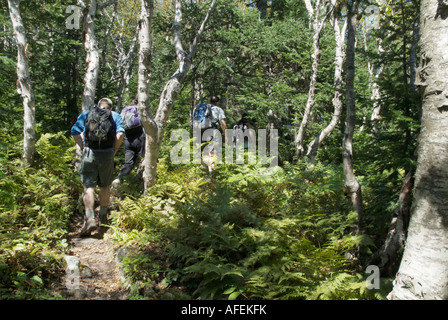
249, 232
252, 233
36, 204
345, 286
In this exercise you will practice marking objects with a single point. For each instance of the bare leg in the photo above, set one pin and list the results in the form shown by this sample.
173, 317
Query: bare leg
89, 203
89, 200
104, 196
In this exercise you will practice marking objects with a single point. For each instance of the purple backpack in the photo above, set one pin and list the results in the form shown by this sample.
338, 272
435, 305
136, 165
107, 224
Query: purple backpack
130, 118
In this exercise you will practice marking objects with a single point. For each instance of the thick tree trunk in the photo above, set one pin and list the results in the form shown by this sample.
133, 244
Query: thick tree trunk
352, 186
337, 99
423, 272
25, 87
144, 74
92, 57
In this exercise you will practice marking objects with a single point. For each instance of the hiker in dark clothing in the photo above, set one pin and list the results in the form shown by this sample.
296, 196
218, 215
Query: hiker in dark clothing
134, 141
241, 131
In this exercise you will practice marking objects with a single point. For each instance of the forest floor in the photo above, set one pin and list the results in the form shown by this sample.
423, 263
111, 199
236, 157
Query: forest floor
99, 273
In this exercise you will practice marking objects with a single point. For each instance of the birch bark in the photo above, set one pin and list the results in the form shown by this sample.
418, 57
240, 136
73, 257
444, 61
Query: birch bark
319, 16
92, 57
339, 37
423, 272
351, 184
154, 126
25, 88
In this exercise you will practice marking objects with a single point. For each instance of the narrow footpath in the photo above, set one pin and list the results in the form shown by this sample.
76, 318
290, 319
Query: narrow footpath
97, 274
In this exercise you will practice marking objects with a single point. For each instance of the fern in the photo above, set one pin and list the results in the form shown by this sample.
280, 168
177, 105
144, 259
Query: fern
250, 234
36, 203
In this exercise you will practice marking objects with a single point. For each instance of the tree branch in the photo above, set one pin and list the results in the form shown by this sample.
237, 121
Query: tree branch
106, 4
193, 46
180, 53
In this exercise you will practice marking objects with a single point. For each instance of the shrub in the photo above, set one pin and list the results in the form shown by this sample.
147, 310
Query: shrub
36, 203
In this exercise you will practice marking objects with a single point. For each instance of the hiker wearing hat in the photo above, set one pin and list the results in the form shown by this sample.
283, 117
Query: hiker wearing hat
99, 133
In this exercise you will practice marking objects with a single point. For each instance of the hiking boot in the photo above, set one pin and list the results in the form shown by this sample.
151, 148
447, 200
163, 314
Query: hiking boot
116, 182
89, 226
102, 219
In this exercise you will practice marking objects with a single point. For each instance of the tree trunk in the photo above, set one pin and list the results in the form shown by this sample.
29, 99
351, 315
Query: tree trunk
337, 99
413, 55
389, 256
352, 186
144, 68
318, 23
155, 126
262, 6
125, 70
92, 57
423, 272
24, 80
374, 74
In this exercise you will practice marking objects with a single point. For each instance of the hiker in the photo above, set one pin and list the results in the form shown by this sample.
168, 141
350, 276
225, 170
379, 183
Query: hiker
217, 122
209, 116
134, 140
218, 114
241, 131
99, 133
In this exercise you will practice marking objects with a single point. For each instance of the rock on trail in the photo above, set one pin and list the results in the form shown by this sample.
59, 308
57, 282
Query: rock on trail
96, 275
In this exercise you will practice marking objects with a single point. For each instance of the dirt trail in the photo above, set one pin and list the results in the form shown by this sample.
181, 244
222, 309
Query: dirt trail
99, 274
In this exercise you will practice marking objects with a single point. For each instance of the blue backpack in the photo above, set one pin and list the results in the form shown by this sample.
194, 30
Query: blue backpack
202, 116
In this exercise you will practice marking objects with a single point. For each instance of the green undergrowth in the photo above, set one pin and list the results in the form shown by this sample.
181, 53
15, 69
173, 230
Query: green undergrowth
247, 232
244, 232
36, 203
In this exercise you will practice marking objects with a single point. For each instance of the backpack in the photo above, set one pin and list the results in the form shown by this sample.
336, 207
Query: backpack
99, 129
130, 118
203, 117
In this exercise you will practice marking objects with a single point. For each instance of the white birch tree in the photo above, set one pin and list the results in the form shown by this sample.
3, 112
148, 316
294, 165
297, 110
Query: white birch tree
318, 15
423, 272
92, 54
155, 125
24, 88
353, 188
339, 37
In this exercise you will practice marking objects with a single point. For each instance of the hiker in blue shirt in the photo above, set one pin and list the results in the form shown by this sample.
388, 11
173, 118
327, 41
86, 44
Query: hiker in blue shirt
99, 133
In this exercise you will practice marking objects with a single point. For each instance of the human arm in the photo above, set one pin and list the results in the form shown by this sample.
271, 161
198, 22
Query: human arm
78, 140
118, 140
119, 129
223, 125
78, 128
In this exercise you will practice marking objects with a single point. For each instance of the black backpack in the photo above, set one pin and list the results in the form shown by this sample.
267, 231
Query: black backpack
99, 129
